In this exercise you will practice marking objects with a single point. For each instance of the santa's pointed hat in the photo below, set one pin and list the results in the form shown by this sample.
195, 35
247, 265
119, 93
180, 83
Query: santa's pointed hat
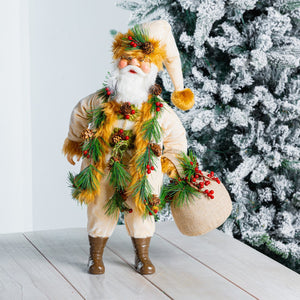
155, 42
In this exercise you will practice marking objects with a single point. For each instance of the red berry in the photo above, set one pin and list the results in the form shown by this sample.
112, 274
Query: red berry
207, 182
148, 167
126, 137
206, 191
130, 38
130, 210
107, 89
196, 176
155, 211
121, 131
134, 45
211, 191
161, 105
191, 163
148, 171
194, 179
150, 213
133, 112
157, 103
218, 181
157, 109
85, 152
196, 169
212, 197
186, 178
108, 93
127, 117
128, 103
152, 168
131, 44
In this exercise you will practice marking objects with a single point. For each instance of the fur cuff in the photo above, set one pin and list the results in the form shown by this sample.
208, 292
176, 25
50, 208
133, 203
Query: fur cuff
168, 167
183, 99
73, 148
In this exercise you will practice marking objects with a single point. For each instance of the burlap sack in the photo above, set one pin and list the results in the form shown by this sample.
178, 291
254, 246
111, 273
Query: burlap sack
203, 214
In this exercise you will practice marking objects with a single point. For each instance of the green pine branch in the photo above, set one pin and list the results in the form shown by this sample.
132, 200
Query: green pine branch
152, 130
119, 176
140, 34
84, 181
94, 148
142, 188
178, 192
147, 157
114, 205
96, 117
188, 163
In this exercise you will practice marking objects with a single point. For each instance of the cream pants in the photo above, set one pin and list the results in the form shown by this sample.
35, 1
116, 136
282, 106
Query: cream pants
102, 225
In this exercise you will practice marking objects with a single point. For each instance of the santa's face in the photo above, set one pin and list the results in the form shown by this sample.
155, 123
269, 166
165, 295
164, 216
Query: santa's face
144, 65
133, 78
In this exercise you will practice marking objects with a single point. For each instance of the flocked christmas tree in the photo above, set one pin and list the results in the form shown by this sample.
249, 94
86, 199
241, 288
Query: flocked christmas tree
241, 59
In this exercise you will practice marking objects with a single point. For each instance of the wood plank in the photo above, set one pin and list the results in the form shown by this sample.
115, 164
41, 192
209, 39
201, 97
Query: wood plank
25, 274
68, 251
178, 274
255, 272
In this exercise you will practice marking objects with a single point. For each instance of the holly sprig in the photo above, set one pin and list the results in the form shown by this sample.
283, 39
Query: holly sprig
180, 189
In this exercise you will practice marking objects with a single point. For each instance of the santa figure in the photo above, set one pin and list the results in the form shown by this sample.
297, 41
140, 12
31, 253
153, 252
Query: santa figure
128, 136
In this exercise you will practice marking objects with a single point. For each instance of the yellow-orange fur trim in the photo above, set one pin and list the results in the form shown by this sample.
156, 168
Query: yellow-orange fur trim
168, 167
157, 56
183, 99
73, 148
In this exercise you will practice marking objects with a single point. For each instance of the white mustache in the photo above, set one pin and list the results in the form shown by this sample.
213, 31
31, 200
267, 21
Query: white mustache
134, 68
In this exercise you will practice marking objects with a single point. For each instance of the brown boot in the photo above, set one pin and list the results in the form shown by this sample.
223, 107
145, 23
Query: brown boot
143, 264
95, 263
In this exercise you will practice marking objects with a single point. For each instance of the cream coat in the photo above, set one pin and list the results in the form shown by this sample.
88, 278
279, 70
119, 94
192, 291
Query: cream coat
173, 141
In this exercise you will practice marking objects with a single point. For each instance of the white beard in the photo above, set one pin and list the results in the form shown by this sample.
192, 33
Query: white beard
133, 88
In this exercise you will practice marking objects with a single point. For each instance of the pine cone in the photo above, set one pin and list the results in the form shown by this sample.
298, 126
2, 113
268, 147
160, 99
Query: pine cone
155, 89
123, 195
125, 108
147, 47
116, 138
87, 134
156, 149
155, 201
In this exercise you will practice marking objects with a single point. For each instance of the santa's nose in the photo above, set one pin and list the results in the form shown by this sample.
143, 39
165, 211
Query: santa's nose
134, 62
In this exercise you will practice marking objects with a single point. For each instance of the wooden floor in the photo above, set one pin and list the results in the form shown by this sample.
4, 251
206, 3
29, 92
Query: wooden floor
53, 265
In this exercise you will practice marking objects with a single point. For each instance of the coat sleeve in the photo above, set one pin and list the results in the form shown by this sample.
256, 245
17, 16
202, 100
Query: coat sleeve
79, 122
174, 142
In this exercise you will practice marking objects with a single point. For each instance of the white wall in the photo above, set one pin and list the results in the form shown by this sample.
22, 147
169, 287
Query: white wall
15, 149
64, 57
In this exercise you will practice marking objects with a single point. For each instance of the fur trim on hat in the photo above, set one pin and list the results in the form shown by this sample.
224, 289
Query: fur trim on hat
183, 99
120, 48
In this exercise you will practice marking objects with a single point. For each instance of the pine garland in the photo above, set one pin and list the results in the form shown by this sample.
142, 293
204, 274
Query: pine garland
145, 159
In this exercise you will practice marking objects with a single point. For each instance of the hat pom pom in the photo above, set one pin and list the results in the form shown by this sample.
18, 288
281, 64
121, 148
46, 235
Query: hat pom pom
183, 99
